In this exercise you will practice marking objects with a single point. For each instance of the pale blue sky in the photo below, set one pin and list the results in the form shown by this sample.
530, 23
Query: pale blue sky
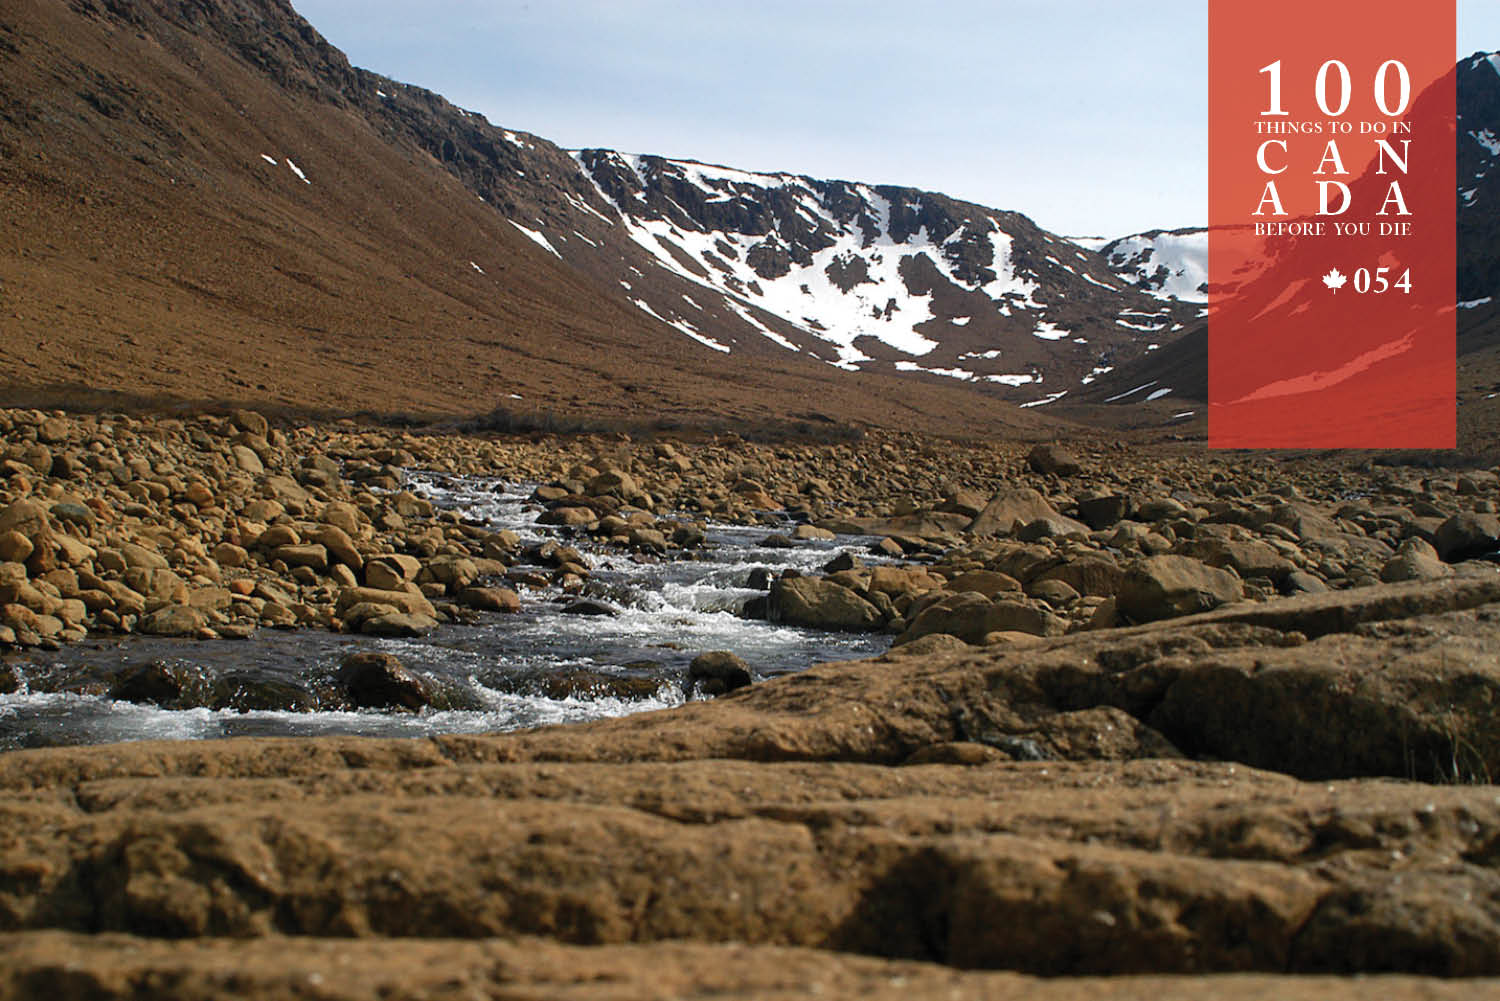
1087, 115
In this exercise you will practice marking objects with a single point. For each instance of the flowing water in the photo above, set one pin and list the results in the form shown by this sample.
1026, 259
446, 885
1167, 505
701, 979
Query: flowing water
670, 610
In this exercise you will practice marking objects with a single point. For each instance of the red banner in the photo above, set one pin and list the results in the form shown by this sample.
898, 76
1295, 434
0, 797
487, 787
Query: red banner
1332, 204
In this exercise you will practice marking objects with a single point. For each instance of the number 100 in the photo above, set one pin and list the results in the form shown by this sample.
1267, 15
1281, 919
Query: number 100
1345, 88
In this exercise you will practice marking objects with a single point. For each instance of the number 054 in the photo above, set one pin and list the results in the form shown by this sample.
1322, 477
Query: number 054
1378, 281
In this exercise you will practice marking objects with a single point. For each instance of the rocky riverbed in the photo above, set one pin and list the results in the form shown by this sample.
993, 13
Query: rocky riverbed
1225, 723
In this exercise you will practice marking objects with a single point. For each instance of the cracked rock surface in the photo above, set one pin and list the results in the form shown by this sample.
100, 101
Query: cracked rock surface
1240, 803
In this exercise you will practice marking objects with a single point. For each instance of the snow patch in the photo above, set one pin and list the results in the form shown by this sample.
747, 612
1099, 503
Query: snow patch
1131, 392
1051, 398
1184, 256
1097, 372
540, 240
684, 327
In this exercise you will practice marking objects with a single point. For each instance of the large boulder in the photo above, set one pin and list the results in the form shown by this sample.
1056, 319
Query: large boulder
820, 604
1467, 535
1163, 587
1011, 510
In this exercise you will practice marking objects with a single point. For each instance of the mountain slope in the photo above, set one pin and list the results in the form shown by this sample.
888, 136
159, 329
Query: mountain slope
206, 201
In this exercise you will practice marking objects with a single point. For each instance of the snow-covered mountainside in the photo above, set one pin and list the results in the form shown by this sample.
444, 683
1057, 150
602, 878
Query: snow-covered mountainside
1479, 177
1169, 264
861, 276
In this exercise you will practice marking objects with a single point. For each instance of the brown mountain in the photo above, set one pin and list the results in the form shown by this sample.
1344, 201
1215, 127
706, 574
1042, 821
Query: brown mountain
204, 201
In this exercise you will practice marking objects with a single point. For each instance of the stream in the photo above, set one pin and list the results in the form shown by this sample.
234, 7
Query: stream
670, 610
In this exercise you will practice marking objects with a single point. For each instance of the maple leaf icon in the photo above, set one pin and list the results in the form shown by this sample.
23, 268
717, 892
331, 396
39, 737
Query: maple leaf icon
1335, 279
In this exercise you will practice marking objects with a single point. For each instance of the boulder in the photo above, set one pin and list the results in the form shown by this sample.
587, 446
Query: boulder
339, 546
1052, 526
1054, 460
310, 555
1162, 587
896, 581
1103, 510
986, 582
372, 680
411, 601
250, 422
1248, 557
246, 461
717, 673
819, 604
1088, 574
965, 502
343, 516
453, 572
227, 554
1467, 535
576, 517
15, 547
277, 536
174, 620
589, 606
1414, 560
391, 571
971, 617
1009, 510
139, 557
931, 643
28, 519
619, 484
71, 513
398, 624
490, 599
165, 683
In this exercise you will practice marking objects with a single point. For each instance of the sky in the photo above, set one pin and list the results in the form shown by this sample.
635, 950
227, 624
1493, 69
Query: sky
1089, 119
